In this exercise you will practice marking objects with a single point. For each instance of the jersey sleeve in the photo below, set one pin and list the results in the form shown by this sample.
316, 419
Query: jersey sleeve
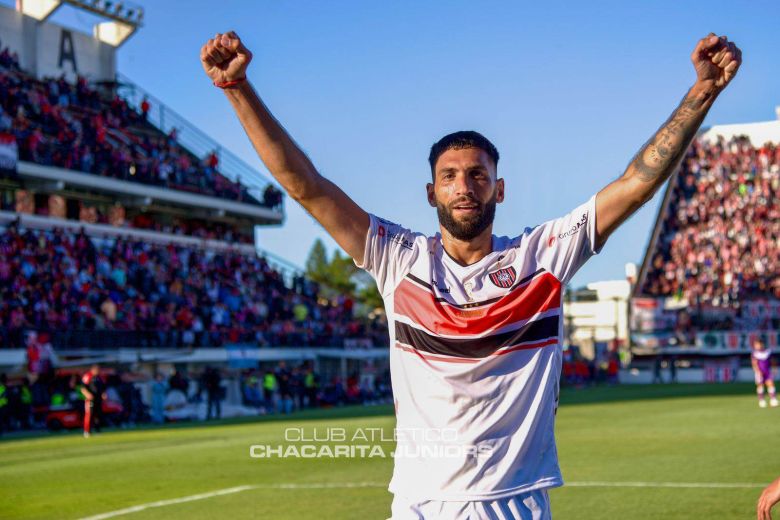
390, 252
564, 244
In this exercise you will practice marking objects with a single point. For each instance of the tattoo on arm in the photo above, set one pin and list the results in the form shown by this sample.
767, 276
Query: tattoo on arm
659, 157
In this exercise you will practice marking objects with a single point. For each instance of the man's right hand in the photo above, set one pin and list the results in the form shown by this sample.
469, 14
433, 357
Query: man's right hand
224, 58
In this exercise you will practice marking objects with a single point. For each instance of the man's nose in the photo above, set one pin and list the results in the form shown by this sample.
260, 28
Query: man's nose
463, 185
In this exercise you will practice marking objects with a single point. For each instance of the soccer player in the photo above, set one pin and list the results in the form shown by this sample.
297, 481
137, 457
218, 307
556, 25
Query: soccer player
92, 390
760, 358
475, 318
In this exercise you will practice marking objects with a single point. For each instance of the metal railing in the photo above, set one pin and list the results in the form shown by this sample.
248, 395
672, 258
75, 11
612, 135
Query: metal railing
193, 138
72, 340
286, 268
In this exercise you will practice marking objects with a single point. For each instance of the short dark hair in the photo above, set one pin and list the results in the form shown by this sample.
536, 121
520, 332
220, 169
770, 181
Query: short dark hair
458, 141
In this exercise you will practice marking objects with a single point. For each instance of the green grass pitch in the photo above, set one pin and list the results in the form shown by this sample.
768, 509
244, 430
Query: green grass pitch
609, 439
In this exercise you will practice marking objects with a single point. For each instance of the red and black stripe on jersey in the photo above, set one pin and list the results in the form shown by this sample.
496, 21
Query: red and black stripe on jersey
533, 295
527, 316
531, 335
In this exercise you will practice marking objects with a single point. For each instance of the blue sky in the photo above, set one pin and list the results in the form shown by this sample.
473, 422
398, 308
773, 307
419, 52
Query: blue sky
568, 91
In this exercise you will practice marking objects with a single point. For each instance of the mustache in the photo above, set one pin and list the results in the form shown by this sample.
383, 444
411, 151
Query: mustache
465, 200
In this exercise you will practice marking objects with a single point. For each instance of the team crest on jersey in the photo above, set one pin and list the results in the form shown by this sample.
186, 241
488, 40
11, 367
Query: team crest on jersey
503, 277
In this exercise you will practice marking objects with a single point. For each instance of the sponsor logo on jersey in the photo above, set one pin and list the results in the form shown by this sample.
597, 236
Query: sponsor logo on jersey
393, 236
399, 239
575, 228
503, 277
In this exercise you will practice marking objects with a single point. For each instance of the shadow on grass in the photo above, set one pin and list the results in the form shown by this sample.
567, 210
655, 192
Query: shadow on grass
569, 396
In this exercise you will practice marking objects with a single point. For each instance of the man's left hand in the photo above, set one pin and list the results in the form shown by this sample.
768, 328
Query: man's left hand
716, 60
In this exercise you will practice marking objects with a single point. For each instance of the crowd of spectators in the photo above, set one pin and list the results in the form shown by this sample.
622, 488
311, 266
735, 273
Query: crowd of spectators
75, 126
69, 285
720, 239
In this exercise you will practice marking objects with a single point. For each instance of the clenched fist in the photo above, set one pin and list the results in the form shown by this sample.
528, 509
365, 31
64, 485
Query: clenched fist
716, 60
224, 58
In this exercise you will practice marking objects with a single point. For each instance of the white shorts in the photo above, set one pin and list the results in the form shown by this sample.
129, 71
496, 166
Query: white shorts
534, 505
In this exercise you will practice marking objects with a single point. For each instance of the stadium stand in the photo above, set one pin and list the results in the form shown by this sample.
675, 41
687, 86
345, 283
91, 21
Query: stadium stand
127, 241
720, 242
88, 292
94, 286
105, 136
709, 277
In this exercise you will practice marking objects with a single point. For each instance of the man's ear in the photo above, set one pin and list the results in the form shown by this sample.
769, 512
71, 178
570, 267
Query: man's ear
500, 191
431, 194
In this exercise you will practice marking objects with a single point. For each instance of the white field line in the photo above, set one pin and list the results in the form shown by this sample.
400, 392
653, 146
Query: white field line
161, 503
346, 485
710, 485
228, 491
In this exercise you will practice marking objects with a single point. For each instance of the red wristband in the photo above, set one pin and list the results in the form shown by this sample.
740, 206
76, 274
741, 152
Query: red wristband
232, 83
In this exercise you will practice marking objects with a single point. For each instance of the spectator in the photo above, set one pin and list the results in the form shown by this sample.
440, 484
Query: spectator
284, 386
24, 416
213, 382
145, 106
269, 389
93, 390
177, 381
159, 390
310, 385
272, 197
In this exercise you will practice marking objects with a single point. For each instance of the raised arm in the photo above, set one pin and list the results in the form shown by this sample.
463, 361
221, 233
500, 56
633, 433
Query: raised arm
225, 60
716, 61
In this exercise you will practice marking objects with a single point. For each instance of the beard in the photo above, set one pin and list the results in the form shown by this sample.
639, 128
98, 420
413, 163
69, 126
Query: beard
471, 226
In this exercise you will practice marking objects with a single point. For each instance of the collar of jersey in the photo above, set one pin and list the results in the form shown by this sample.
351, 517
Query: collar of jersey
447, 258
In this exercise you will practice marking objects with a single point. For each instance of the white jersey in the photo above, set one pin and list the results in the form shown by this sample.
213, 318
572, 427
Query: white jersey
761, 355
475, 355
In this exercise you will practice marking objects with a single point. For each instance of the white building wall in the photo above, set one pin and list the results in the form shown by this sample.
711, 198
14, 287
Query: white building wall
602, 320
50, 50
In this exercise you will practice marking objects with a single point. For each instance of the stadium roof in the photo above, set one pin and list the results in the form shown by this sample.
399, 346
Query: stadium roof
759, 133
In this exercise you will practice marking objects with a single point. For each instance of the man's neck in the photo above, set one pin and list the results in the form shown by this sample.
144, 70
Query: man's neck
467, 252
